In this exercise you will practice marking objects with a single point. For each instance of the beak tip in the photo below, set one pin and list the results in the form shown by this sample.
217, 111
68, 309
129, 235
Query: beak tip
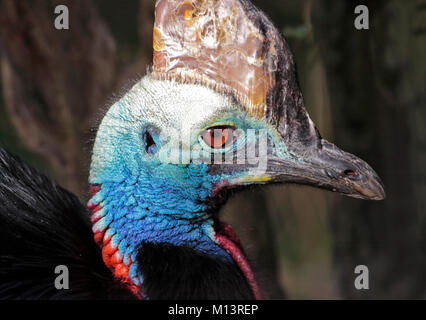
374, 190
380, 189
379, 197
381, 194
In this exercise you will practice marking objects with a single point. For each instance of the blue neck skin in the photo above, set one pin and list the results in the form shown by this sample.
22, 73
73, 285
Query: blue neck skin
158, 209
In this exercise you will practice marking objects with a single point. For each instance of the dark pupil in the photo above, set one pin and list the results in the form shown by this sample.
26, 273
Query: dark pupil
217, 133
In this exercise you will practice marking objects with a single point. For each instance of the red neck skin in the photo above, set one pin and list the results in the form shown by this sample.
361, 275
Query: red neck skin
230, 242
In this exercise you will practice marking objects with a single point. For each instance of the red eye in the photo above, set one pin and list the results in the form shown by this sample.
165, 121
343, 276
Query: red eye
218, 137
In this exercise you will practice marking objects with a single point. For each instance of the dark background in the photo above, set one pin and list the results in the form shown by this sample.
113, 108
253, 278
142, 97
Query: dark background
365, 90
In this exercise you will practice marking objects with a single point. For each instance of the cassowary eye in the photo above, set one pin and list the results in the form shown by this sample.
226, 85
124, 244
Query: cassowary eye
219, 137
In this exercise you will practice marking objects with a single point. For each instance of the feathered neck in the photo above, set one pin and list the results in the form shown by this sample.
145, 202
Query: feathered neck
128, 213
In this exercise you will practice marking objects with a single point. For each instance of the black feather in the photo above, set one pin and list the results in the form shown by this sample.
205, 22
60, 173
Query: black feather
43, 226
178, 272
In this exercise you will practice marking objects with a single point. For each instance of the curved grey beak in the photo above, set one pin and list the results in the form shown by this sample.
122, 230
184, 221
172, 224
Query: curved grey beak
326, 166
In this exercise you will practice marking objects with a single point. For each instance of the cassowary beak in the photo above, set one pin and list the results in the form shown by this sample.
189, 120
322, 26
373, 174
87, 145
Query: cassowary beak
326, 166
320, 164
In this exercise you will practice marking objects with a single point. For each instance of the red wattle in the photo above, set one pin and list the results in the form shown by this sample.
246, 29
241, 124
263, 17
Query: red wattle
230, 242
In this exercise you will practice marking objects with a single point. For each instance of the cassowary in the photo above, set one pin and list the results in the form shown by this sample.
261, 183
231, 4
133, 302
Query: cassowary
165, 158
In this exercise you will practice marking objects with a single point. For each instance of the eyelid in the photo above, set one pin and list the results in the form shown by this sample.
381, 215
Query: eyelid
223, 123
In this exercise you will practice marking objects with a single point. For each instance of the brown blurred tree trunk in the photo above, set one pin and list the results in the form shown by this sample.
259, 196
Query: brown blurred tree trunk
377, 80
55, 82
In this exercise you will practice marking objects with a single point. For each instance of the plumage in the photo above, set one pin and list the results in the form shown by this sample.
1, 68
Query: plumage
165, 158
200, 276
43, 226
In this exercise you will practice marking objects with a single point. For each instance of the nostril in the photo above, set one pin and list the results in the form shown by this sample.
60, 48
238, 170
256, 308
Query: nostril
350, 173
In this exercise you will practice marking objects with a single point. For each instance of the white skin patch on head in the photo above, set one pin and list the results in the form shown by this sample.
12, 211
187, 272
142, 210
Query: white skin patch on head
176, 105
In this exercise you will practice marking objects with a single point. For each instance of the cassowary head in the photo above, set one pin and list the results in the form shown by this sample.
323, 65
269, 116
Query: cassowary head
221, 109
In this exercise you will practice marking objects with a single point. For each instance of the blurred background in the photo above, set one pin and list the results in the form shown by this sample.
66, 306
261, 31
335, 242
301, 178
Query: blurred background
364, 89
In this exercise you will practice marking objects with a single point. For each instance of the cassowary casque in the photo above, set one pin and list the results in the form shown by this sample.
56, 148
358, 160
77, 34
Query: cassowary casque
220, 110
